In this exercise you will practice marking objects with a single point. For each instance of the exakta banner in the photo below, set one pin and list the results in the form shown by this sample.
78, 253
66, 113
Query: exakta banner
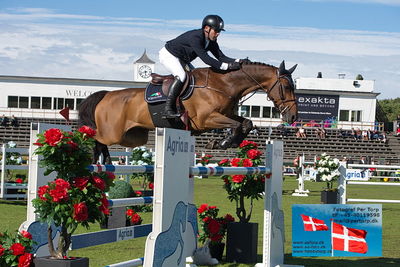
317, 107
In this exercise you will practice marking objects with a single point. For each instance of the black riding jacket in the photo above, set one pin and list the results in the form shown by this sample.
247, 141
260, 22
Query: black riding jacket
190, 45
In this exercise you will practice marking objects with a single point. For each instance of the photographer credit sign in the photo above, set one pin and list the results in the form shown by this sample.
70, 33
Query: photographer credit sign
317, 107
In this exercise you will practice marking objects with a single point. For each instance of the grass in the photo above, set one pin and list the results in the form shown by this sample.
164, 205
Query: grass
210, 191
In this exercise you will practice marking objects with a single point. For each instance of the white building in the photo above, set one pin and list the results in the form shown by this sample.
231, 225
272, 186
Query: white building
351, 103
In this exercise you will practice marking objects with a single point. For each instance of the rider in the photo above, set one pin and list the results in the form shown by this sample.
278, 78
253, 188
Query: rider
185, 48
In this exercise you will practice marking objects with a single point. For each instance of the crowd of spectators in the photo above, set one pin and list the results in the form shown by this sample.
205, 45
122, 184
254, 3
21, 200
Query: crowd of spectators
363, 135
5, 121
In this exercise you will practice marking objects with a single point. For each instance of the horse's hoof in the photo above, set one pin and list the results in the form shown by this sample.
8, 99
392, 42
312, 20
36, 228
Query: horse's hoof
224, 144
234, 145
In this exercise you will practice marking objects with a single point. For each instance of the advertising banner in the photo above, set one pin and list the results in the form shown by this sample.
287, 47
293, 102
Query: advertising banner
317, 107
337, 230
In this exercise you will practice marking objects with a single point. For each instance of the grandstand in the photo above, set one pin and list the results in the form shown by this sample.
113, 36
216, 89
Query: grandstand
334, 144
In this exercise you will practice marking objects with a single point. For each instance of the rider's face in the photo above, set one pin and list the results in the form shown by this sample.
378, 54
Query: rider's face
211, 34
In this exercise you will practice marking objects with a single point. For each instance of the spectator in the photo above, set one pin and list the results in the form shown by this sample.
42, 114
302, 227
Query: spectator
364, 135
398, 131
4, 121
283, 131
255, 131
343, 133
14, 121
301, 133
358, 134
320, 133
353, 134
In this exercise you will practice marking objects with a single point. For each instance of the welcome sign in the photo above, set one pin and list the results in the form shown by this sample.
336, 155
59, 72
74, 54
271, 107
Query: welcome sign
317, 107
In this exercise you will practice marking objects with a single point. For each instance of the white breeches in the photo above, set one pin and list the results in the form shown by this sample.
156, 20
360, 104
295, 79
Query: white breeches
172, 64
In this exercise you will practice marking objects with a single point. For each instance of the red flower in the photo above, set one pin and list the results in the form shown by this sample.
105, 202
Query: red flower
214, 226
138, 193
130, 212
19, 181
229, 218
247, 163
80, 212
25, 260
151, 186
26, 234
99, 183
60, 192
135, 219
253, 153
17, 249
53, 136
42, 191
235, 162
238, 178
104, 205
224, 162
87, 130
216, 238
1, 250
202, 208
80, 182
207, 219
110, 175
248, 143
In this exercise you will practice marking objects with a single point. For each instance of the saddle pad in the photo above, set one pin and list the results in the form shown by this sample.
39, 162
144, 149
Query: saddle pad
154, 93
157, 110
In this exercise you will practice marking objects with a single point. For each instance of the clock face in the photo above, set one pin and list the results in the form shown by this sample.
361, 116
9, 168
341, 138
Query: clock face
144, 71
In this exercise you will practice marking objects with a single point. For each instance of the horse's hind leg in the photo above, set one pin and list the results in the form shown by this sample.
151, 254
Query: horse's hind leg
101, 149
96, 152
106, 155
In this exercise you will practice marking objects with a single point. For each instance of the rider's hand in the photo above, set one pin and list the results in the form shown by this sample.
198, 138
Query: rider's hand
233, 66
244, 60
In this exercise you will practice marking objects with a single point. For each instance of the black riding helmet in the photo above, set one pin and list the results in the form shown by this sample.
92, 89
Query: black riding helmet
214, 21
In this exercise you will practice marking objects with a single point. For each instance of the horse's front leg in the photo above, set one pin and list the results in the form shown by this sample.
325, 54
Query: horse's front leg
241, 132
219, 121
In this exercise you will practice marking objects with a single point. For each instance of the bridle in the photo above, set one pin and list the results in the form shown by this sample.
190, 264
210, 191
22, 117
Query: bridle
281, 107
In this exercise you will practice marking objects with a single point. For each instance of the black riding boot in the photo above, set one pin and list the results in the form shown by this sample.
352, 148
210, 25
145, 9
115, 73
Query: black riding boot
174, 91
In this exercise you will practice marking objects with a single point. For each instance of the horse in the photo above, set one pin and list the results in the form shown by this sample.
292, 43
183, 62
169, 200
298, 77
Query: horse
122, 116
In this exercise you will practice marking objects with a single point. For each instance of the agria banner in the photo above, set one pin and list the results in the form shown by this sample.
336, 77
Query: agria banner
317, 107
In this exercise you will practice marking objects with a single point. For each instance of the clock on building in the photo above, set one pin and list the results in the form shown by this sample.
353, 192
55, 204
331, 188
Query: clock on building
144, 71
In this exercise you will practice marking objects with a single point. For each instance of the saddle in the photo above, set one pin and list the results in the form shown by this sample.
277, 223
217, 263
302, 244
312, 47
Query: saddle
157, 89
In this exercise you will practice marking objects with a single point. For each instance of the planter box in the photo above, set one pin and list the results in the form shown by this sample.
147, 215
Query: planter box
217, 250
47, 262
329, 197
116, 219
241, 242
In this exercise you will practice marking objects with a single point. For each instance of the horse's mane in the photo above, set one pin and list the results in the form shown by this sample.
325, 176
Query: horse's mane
258, 63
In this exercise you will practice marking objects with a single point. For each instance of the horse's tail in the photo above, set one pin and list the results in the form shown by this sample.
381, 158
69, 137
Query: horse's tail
87, 107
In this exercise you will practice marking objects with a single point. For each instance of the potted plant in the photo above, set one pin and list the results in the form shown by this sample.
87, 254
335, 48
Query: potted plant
76, 196
241, 245
143, 156
213, 229
15, 249
328, 171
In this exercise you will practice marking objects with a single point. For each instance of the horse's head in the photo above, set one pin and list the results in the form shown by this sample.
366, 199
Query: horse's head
282, 93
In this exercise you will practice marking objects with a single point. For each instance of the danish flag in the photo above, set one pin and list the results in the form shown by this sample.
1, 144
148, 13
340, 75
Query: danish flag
312, 224
348, 239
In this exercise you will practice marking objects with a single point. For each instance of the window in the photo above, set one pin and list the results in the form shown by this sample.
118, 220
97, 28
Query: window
344, 115
356, 115
245, 111
12, 101
23, 102
255, 111
266, 113
275, 113
69, 102
46, 102
78, 102
35, 102
58, 103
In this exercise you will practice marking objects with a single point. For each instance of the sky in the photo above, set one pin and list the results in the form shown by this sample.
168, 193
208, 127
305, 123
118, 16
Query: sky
100, 39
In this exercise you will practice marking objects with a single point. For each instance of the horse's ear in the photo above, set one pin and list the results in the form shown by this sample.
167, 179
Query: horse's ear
292, 69
282, 67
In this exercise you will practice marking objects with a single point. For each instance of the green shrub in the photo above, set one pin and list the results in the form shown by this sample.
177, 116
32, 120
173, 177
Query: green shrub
121, 189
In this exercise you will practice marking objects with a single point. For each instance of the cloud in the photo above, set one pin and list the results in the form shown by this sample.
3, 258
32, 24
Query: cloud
41, 42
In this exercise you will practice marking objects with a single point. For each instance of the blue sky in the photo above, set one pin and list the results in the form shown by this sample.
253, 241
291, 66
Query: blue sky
101, 39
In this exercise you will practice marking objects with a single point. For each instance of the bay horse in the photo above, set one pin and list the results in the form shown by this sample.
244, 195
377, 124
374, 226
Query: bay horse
122, 116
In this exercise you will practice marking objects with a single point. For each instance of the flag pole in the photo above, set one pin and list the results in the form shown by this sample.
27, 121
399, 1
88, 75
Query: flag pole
331, 237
